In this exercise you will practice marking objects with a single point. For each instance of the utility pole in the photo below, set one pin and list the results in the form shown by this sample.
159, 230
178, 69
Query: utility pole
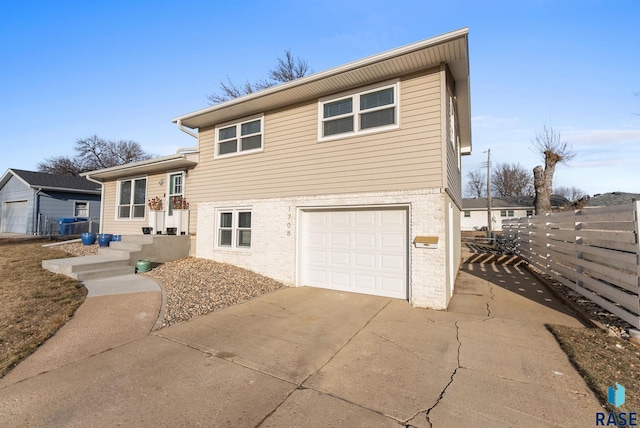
489, 217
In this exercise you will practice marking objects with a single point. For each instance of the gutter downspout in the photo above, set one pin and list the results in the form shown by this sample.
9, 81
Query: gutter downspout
185, 130
101, 199
36, 212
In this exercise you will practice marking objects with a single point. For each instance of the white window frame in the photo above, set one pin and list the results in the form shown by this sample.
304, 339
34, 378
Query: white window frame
235, 229
170, 193
131, 204
238, 125
75, 208
357, 112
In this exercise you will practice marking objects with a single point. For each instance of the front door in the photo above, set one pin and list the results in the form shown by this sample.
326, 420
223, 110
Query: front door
175, 192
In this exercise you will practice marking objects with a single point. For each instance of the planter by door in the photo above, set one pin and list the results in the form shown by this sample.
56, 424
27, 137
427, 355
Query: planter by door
156, 220
88, 238
104, 239
143, 265
181, 221
147, 230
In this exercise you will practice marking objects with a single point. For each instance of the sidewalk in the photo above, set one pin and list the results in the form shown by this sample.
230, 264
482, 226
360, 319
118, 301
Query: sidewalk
314, 357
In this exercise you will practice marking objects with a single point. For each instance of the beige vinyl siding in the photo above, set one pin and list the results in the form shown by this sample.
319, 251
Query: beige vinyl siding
110, 224
294, 163
454, 184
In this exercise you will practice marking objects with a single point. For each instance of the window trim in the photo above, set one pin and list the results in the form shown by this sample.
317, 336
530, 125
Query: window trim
238, 125
235, 228
357, 112
131, 205
76, 202
169, 207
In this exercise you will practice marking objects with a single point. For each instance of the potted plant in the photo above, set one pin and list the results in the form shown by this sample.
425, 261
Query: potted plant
181, 214
156, 214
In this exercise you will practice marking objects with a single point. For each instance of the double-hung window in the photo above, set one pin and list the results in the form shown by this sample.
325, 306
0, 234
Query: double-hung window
234, 228
239, 138
370, 110
132, 198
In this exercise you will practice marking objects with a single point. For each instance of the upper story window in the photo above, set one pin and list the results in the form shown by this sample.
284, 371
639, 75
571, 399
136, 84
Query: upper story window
239, 138
467, 213
506, 213
369, 110
132, 198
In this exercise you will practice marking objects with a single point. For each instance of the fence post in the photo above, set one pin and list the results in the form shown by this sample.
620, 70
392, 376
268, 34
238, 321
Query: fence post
636, 210
578, 244
547, 255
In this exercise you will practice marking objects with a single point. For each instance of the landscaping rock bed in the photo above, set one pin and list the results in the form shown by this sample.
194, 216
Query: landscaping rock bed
193, 286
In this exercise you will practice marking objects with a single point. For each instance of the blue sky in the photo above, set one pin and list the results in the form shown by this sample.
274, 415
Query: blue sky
124, 69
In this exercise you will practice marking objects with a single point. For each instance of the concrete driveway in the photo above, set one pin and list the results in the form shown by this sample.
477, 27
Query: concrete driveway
312, 357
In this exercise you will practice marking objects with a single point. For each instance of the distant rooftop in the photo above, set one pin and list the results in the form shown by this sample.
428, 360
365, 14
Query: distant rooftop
612, 198
52, 181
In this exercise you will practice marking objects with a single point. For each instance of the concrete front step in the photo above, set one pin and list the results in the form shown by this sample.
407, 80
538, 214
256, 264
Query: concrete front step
73, 265
105, 273
131, 246
118, 253
121, 256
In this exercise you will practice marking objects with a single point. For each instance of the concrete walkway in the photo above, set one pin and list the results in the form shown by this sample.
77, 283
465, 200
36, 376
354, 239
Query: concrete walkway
314, 357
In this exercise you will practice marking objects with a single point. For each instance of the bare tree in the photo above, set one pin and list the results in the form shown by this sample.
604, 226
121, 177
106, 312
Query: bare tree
286, 69
95, 153
549, 143
571, 193
477, 184
511, 180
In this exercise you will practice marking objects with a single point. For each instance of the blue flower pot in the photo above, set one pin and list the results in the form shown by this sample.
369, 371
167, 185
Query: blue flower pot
88, 238
116, 238
104, 239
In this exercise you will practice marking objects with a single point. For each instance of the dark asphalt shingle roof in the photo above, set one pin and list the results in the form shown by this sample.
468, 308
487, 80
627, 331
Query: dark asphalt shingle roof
612, 198
56, 181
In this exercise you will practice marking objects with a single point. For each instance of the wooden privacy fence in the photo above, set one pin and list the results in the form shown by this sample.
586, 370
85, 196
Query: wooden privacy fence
593, 251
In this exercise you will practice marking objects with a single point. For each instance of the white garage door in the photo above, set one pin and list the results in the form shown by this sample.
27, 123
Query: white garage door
15, 217
362, 251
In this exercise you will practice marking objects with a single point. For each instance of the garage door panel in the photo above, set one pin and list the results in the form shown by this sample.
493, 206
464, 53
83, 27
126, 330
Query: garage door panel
364, 283
392, 285
340, 239
317, 238
395, 241
338, 219
356, 250
394, 263
365, 218
393, 218
340, 258
15, 217
364, 260
338, 280
364, 240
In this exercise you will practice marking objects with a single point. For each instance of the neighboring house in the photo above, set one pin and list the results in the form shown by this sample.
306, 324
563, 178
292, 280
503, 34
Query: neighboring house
474, 214
27, 197
612, 198
327, 180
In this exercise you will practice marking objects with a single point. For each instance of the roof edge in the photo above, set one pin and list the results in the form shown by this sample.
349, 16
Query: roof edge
402, 50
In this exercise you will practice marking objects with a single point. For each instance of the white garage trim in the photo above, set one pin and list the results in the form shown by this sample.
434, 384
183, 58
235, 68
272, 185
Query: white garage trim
14, 216
363, 249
